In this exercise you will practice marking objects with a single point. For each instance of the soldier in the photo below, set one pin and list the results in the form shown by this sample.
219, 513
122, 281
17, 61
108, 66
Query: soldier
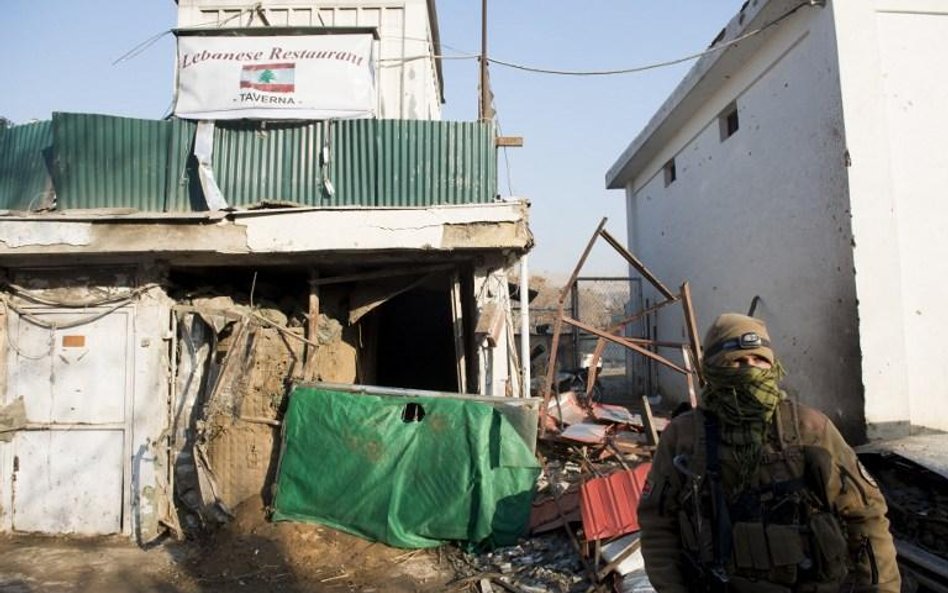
752, 492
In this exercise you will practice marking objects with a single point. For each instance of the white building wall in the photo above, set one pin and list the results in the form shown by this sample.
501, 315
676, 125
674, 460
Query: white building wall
408, 86
891, 54
764, 212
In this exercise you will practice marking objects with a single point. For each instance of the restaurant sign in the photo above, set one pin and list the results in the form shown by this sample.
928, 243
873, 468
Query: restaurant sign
275, 77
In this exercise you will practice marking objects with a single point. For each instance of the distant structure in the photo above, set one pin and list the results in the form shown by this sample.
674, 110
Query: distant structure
801, 165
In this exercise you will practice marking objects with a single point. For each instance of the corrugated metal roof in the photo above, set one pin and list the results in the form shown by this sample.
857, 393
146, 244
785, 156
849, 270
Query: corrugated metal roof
112, 162
609, 505
25, 183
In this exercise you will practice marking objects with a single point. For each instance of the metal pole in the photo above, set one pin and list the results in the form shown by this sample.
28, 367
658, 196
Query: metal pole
484, 97
525, 326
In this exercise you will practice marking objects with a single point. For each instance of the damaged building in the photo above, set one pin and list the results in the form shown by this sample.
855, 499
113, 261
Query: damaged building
165, 283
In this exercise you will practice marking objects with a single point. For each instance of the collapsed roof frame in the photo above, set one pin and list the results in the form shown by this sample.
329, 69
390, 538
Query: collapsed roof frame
690, 350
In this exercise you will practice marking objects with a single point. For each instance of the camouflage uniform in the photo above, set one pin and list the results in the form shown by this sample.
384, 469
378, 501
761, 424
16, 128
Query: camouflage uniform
807, 517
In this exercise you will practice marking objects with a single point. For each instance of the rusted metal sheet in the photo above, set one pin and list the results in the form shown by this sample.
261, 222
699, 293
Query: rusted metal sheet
25, 183
553, 512
609, 504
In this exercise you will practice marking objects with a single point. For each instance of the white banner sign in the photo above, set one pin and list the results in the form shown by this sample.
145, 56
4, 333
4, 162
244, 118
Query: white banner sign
274, 77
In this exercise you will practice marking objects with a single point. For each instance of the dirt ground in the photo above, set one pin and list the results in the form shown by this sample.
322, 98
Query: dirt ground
250, 554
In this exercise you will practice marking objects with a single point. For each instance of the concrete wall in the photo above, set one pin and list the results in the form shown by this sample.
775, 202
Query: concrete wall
764, 212
408, 87
891, 55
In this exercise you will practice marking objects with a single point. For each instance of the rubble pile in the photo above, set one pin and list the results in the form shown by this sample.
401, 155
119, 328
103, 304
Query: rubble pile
542, 564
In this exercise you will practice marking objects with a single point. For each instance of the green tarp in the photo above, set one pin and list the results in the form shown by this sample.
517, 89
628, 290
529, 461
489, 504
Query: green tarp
411, 472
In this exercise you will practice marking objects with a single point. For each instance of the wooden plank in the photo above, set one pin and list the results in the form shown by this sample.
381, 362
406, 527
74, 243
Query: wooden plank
510, 141
649, 422
312, 328
692, 394
692, 324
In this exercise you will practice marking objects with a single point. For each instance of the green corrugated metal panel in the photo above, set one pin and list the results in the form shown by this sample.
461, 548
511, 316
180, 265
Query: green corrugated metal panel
428, 162
183, 190
114, 162
25, 183
371, 163
353, 162
280, 163
111, 162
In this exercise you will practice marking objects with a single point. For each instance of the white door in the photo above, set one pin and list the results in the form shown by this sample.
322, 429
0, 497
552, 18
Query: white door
69, 467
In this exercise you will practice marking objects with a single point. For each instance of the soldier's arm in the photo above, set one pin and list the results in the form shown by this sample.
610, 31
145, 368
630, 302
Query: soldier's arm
862, 507
658, 519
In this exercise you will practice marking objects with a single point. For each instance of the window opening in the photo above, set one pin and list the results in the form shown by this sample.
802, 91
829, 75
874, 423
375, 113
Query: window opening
729, 122
671, 174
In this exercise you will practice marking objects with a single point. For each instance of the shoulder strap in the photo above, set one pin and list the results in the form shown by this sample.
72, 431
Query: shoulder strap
722, 519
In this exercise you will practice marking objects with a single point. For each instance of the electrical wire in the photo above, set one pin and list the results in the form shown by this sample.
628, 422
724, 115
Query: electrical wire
40, 322
25, 294
510, 191
141, 47
636, 69
632, 70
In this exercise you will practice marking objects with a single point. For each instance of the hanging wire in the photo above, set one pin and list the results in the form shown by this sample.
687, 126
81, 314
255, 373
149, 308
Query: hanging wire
26, 295
13, 346
510, 191
141, 47
632, 70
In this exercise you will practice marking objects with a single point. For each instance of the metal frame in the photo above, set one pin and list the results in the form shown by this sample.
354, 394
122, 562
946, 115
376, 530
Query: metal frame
648, 347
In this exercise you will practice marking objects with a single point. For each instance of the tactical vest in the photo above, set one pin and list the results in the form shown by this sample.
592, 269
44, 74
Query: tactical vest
779, 533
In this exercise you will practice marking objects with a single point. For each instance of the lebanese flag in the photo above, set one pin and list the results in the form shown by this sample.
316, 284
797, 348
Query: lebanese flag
272, 78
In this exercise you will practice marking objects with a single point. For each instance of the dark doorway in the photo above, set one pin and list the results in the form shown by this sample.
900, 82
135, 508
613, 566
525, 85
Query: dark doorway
416, 341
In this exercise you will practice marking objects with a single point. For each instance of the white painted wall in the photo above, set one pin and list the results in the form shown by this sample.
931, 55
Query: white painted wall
125, 432
891, 55
408, 87
764, 212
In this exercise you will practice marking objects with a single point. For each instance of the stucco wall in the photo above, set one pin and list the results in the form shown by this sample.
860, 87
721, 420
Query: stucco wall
765, 212
892, 52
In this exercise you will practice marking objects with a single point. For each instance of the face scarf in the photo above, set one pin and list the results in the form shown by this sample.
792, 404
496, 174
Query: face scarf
744, 400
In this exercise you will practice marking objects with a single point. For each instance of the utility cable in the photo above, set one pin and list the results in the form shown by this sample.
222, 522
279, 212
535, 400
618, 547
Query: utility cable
25, 294
141, 47
635, 69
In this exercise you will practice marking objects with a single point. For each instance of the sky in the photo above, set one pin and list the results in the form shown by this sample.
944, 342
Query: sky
61, 56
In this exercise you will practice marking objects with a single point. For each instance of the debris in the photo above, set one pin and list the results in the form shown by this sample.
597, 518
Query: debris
623, 555
615, 414
585, 432
609, 504
547, 515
